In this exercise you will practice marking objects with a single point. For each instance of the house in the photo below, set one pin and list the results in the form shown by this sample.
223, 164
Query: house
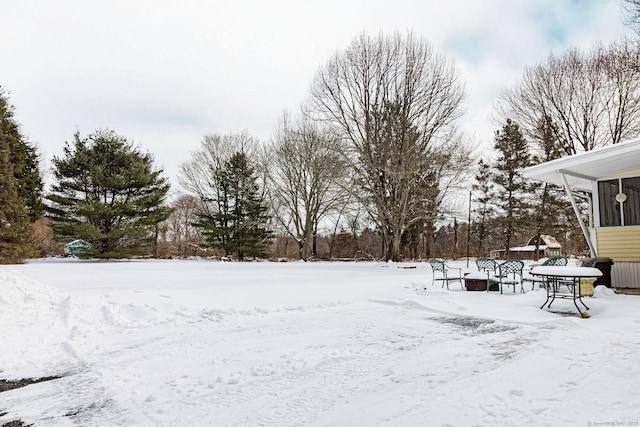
78, 247
549, 247
608, 178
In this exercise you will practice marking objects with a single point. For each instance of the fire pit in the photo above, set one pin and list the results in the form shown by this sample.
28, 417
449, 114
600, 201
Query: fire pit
478, 282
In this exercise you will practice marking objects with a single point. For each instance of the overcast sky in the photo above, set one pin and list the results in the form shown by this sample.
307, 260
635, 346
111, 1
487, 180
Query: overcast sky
164, 73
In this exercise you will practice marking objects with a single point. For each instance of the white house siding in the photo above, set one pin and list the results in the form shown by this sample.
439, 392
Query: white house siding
625, 275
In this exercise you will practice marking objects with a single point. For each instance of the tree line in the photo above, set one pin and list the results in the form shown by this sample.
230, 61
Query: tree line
374, 165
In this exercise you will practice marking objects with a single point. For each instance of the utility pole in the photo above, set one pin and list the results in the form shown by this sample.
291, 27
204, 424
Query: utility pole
469, 231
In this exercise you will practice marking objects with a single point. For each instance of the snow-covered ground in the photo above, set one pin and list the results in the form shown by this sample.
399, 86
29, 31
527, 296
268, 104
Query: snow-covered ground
205, 343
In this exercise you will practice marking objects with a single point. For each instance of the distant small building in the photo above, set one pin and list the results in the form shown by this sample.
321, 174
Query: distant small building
78, 247
549, 247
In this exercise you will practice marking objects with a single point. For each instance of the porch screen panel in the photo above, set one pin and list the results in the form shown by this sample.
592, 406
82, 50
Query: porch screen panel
609, 208
631, 207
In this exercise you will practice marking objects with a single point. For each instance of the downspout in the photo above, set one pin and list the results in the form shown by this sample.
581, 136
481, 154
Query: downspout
585, 232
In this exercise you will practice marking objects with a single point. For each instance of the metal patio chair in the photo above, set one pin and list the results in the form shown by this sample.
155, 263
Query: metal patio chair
589, 262
555, 260
447, 274
509, 273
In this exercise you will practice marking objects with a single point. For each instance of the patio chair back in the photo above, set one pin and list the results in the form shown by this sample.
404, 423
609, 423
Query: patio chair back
511, 268
510, 274
591, 262
486, 264
436, 265
556, 260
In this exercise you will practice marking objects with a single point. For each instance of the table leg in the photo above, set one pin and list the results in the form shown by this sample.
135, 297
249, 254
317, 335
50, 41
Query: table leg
580, 294
554, 282
548, 285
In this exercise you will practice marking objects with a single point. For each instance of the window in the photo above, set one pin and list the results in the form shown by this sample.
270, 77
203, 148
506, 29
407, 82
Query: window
611, 214
631, 206
609, 208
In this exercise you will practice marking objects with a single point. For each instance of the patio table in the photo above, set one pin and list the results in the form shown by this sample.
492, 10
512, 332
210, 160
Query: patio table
557, 275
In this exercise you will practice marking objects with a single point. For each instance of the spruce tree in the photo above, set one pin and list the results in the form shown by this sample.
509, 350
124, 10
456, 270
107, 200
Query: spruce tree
108, 194
239, 222
24, 158
511, 191
15, 229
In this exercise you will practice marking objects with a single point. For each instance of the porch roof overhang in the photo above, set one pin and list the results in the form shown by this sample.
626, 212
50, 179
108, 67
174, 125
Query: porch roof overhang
580, 170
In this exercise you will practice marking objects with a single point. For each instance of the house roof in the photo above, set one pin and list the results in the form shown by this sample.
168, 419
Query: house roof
582, 169
78, 242
546, 241
528, 248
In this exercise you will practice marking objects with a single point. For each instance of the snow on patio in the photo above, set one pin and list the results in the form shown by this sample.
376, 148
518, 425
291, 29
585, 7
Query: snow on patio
205, 343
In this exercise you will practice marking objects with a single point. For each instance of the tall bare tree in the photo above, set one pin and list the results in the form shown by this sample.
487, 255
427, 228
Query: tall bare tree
181, 232
306, 180
452, 169
591, 97
392, 99
632, 18
620, 63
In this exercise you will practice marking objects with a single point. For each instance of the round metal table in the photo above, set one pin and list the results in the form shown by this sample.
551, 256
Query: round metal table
571, 277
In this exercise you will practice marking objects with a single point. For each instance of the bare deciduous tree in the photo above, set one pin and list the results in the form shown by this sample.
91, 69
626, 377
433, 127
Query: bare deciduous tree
306, 179
392, 99
180, 230
592, 97
632, 19
621, 65
198, 175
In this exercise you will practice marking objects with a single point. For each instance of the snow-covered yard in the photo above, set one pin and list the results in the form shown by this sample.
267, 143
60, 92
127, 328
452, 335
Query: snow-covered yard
205, 343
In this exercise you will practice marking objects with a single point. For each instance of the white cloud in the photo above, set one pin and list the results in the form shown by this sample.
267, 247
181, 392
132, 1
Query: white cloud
164, 73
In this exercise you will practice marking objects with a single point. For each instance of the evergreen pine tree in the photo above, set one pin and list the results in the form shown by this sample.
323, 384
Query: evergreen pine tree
239, 224
511, 190
549, 204
108, 193
482, 187
15, 229
24, 159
